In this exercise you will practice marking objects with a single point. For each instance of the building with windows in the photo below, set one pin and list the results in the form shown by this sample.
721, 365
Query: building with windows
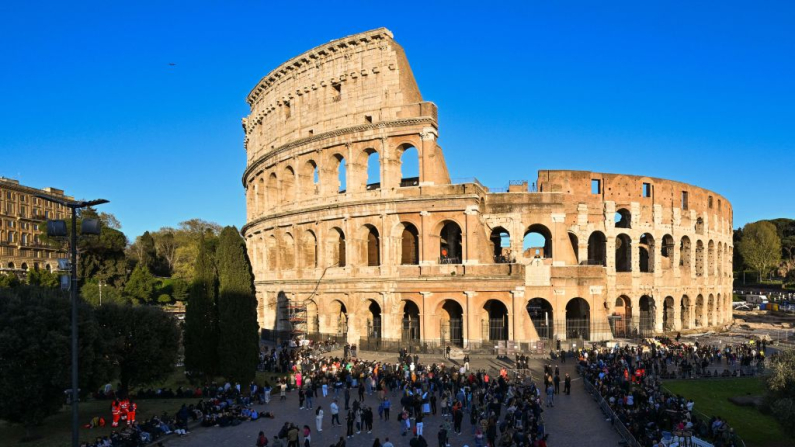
356, 229
21, 214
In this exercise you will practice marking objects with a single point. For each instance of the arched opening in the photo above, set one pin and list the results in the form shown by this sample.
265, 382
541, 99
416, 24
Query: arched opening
720, 259
495, 326
500, 241
309, 250
409, 245
621, 320
24, 266
668, 314
597, 249
273, 190
312, 318
272, 253
409, 166
11, 265
341, 174
667, 252
711, 310
259, 192
411, 322
310, 179
372, 253
288, 252
623, 218
339, 318
47, 267
336, 248
374, 320
450, 243
540, 311
718, 310
685, 258
623, 253
451, 317
537, 242
685, 312
699, 315
575, 247
578, 319
646, 249
373, 170
288, 185
699, 258
699, 226
647, 309
710, 258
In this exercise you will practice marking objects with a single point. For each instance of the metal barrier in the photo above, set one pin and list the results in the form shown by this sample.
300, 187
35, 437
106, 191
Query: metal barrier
614, 420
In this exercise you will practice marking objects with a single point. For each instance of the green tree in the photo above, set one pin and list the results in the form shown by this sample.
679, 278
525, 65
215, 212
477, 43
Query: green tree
35, 345
144, 342
238, 347
43, 278
90, 292
187, 239
144, 252
760, 246
141, 285
201, 315
8, 280
179, 289
781, 389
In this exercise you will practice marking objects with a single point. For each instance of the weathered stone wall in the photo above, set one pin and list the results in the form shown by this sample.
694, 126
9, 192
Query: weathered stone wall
418, 253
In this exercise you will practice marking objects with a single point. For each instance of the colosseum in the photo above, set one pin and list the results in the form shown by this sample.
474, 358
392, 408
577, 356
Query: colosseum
356, 230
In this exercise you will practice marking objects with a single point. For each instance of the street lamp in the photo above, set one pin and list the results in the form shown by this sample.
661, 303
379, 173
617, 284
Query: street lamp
58, 228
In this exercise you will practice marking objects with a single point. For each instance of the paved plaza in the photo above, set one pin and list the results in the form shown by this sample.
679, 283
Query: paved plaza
575, 420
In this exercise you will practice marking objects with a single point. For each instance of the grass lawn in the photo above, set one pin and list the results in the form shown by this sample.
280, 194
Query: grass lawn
711, 398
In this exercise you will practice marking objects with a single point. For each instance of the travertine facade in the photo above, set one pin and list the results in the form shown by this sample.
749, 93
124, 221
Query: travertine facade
20, 216
338, 221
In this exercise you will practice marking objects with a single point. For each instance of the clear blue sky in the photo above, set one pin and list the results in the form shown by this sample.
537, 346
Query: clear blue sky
700, 92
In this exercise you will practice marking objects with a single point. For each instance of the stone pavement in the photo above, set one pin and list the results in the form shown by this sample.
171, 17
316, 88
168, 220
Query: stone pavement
575, 420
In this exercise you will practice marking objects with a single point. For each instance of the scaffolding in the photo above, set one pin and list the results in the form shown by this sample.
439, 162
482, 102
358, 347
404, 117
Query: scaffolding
296, 316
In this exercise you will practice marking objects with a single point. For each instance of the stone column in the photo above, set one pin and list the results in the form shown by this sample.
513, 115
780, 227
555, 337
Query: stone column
469, 313
659, 308
427, 257
677, 323
425, 318
469, 256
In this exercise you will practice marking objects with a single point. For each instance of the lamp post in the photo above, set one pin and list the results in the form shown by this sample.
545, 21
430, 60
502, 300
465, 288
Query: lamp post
58, 228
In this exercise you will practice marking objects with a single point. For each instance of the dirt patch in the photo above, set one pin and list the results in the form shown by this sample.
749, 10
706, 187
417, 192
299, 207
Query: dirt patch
764, 320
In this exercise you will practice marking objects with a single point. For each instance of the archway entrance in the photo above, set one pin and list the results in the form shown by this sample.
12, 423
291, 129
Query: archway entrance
540, 312
338, 318
621, 320
699, 316
646, 323
668, 314
685, 312
374, 320
452, 316
495, 326
411, 322
450, 244
578, 319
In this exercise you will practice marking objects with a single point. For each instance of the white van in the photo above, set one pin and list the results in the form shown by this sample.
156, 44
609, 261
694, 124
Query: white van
756, 299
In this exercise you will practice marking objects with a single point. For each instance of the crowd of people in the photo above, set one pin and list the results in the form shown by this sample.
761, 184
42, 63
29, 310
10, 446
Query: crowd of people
629, 379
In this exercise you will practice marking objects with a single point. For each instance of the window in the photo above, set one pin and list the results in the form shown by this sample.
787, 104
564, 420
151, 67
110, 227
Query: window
287, 112
368, 118
647, 190
709, 202
596, 186
719, 204
684, 200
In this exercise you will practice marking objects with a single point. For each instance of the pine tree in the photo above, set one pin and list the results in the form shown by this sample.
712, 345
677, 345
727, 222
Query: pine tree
238, 346
141, 285
201, 316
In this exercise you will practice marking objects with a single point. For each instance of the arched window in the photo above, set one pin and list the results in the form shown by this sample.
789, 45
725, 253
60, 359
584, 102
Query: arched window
409, 245
310, 179
288, 185
621, 320
685, 312
699, 314
24, 266
374, 320
647, 313
578, 319
309, 250
450, 244
259, 191
451, 322
273, 190
411, 322
646, 253
537, 242
336, 248
273, 253
597, 249
685, 260
623, 218
495, 326
699, 258
288, 252
623, 253
699, 226
372, 254
409, 166
501, 245
373, 170
667, 252
711, 258
341, 173
540, 311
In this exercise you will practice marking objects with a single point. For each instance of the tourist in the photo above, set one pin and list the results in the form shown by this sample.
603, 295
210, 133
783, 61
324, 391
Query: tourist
319, 419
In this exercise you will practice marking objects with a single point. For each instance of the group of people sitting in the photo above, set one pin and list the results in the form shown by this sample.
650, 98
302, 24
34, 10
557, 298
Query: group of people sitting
626, 377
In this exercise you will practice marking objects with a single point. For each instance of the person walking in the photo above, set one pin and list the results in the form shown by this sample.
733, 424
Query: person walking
307, 436
387, 406
556, 381
347, 398
262, 441
283, 391
319, 418
387, 443
349, 421
301, 398
567, 384
418, 423
442, 436
550, 395
367, 415
335, 413
458, 417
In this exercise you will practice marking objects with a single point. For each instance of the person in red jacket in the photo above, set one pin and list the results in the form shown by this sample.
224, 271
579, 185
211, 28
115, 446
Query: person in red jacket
115, 410
125, 407
131, 413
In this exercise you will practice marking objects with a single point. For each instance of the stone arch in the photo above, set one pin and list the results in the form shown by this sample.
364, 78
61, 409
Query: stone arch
699, 226
711, 258
370, 241
450, 243
273, 190
623, 253
537, 242
309, 178
336, 248
308, 249
685, 312
24, 266
287, 252
542, 317
411, 321
578, 319
500, 241
719, 310
597, 249
621, 320
699, 258
372, 169
667, 252
312, 317
685, 255
47, 267
719, 262
373, 319
451, 316
623, 218
711, 310
575, 246
409, 244
699, 311
647, 251
338, 315
647, 315
495, 323
668, 313
272, 253
409, 165
288, 185
260, 196
341, 180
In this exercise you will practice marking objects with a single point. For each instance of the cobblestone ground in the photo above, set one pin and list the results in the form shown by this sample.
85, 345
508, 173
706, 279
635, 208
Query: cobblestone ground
575, 420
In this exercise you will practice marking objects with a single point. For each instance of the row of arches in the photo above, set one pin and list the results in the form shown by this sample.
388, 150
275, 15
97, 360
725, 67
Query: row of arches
309, 178
623, 219
24, 266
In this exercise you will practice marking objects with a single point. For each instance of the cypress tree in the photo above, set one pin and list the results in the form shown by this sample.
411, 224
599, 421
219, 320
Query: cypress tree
238, 348
201, 316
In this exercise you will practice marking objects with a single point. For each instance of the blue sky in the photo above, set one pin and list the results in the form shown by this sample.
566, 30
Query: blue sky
699, 92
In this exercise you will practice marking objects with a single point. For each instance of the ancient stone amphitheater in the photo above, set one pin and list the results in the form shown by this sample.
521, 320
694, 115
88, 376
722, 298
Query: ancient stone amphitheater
356, 230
